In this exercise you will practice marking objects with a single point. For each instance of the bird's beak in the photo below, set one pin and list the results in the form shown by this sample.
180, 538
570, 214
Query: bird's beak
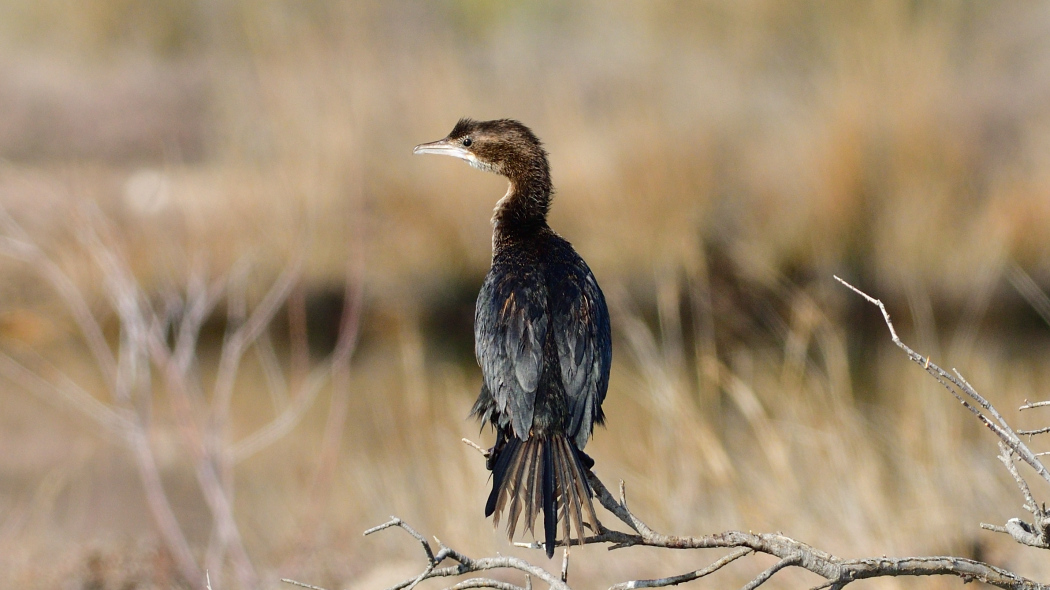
444, 147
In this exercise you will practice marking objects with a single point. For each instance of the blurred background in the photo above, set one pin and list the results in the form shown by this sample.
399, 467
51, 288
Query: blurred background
715, 163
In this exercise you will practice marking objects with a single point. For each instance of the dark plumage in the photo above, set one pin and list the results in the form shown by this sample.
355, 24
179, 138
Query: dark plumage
541, 331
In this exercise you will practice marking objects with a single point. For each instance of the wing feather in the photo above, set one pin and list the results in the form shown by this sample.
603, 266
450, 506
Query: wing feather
580, 320
510, 326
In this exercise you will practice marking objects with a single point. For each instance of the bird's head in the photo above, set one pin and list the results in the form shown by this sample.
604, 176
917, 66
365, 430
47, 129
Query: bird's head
503, 146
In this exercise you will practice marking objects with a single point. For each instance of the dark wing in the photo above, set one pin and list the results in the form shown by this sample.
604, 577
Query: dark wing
510, 326
581, 329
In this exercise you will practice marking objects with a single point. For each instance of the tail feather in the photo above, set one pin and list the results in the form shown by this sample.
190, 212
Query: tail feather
550, 501
565, 491
518, 470
583, 466
574, 492
533, 490
499, 476
545, 476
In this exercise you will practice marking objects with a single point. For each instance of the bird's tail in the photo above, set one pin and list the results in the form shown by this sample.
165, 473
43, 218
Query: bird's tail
542, 475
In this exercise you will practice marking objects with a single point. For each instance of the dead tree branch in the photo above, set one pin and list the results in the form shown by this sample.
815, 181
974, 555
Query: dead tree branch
1036, 534
686, 577
837, 572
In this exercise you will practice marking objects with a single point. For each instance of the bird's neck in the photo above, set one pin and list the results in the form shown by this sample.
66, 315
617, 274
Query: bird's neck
523, 210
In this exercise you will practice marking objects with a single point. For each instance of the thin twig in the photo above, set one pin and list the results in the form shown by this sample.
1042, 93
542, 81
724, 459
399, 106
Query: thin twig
766, 575
64, 389
1008, 460
67, 290
237, 343
395, 521
686, 577
471, 443
466, 564
1034, 432
304, 399
484, 583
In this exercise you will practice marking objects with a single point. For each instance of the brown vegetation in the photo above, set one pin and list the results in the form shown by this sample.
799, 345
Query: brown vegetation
716, 163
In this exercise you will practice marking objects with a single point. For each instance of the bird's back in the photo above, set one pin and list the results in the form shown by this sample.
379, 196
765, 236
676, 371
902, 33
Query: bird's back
542, 337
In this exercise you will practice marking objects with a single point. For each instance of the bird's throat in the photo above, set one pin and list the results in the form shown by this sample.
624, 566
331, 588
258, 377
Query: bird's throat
519, 214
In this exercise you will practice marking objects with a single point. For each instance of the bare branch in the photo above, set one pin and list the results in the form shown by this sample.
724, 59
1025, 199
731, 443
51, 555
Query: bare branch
466, 564
836, 571
959, 388
1026, 534
167, 338
1007, 459
1010, 443
66, 390
484, 583
130, 304
303, 400
395, 521
1029, 405
24, 248
761, 578
200, 302
160, 507
237, 343
686, 577
271, 368
475, 446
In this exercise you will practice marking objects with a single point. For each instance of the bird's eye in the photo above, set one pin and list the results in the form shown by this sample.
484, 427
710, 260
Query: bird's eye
467, 141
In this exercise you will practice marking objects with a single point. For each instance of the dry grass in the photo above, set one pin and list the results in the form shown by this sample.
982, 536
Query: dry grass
716, 163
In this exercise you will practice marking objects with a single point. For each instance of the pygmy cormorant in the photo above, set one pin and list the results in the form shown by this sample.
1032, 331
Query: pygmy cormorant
541, 336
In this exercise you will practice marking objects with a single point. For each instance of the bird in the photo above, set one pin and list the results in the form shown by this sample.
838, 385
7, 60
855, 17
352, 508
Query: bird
541, 337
